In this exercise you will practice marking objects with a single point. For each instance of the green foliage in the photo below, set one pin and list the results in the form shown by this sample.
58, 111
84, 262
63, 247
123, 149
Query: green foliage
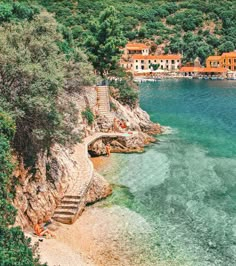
14, 247
88, 115
227, 46
142, 19
113, 106
126, 92
31, 76
7, 130
17, 11
104, 42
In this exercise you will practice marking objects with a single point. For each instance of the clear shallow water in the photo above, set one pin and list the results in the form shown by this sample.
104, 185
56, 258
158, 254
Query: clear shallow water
185, 186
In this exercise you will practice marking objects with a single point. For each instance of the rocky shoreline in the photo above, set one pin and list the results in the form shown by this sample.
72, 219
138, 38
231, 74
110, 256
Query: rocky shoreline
41, 189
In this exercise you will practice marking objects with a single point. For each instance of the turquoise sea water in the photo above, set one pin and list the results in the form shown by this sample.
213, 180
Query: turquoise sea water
185, 186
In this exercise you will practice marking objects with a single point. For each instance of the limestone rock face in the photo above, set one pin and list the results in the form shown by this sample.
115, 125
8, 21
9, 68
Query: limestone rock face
138, 119
99, 189
97, 148
40, 189
127, 144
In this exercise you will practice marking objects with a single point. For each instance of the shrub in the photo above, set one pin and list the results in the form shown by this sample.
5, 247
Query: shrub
88, 115
127, 94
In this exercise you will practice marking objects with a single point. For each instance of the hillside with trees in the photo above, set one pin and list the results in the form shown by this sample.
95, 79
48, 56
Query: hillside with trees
195, 28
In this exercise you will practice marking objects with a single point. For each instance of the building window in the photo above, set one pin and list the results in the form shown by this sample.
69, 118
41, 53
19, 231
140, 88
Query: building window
161, 61
229, 61
155, 61
136, 67
177, 61
142, 61
172, 61
235, 68
235, 60
230, 67
161, 67
142, 67
167, 61
149, 61
131, 65
136, 61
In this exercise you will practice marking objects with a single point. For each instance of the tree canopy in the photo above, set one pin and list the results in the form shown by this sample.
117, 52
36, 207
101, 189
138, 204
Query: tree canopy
104, 42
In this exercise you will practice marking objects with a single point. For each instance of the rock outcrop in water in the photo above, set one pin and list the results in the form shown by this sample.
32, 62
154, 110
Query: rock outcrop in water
39, 190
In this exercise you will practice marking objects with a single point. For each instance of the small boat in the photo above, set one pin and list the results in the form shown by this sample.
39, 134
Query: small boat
206, 78
213, 78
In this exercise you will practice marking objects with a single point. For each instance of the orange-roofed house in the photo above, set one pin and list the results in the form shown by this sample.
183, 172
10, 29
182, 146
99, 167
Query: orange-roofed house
135, 48
229, 60
213, 61
165, 62
169, 62
226, 60
136, 58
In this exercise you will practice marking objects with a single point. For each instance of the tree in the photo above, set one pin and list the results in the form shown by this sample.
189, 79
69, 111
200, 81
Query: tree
31, 76
227, 46
106, 38
14, 247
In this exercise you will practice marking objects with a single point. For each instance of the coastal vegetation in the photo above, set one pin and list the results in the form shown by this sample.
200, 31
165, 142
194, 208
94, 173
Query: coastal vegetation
195, 28
14, 246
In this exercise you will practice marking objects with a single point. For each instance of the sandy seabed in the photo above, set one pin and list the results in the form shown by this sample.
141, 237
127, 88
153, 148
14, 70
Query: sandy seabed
104, 236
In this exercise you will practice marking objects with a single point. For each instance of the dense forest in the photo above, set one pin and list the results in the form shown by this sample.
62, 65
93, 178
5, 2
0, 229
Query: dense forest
196, 28
49, 48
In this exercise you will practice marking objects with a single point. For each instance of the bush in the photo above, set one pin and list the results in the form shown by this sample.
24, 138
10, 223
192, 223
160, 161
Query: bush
14, 247
127, 94
88, 115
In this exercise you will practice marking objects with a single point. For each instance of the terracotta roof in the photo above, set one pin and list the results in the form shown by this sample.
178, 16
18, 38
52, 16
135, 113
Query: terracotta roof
144, 57
169, 56
157, 57
136, 46
231, 54
214, 57
204, 69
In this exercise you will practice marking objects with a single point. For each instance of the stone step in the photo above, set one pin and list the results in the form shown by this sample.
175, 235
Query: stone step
63, 219
102, 89
68, 206
102, 95
70, 201
64, 212
102, 108
99, 93
71, 197
103, 101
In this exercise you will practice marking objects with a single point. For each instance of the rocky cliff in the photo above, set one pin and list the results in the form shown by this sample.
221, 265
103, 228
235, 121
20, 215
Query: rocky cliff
39, 190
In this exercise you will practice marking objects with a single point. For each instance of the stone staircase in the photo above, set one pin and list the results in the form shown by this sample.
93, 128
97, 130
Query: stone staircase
73, 203
69, 209
103, 100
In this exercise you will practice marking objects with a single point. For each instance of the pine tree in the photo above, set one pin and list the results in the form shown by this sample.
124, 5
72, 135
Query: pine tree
104, 42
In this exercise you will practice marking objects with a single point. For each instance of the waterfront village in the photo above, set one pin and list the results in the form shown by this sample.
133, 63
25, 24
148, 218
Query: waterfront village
144, 62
